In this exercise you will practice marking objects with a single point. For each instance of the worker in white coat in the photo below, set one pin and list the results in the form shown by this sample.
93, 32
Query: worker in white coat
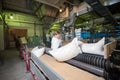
56, 41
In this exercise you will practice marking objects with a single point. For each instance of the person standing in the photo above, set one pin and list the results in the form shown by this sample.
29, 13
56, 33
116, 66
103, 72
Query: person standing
56, 41
17, 41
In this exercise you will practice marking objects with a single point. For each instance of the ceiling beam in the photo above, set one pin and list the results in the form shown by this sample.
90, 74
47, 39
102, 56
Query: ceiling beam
44, 2
11, 7
38, 8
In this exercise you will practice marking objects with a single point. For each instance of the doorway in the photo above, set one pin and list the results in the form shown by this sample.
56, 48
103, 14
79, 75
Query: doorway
16, 33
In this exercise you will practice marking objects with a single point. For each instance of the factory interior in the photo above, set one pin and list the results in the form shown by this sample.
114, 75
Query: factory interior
87, 34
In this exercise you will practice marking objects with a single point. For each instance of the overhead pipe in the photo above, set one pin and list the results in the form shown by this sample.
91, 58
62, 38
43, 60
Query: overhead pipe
74, 14
110, 2
102, 10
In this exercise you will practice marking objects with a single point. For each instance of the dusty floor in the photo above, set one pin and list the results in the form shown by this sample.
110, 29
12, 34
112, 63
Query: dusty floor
13, 67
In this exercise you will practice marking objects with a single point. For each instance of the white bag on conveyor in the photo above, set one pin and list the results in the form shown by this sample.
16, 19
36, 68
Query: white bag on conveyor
38, 51
66, 52
94, 48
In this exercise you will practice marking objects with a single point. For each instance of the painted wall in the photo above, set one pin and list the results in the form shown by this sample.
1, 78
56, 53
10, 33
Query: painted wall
1, 37
23, 21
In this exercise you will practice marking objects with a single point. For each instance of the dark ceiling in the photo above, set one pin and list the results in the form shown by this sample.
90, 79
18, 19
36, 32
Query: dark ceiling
34, 7
28, 5
114, 9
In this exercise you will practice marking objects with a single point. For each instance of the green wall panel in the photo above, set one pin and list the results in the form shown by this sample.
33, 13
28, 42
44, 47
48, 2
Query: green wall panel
23, 21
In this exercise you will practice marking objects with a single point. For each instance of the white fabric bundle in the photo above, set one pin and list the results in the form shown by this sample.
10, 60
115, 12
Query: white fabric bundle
66, 52
94, 48
55, 43
38, 51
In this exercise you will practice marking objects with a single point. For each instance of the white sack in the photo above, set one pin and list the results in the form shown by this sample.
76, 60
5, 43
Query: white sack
66, 52
94, 48
38, 51
80, 43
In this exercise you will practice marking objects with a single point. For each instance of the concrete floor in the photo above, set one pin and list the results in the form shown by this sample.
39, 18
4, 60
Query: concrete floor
13, 67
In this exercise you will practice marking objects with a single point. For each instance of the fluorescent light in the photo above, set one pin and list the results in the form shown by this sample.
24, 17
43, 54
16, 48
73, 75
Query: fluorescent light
60, 10
11, 16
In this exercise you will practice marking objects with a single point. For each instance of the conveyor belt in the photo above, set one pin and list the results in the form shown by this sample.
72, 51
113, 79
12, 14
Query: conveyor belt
96, 70
66, 71
48, 72
93, 63
36, 71
95, 60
